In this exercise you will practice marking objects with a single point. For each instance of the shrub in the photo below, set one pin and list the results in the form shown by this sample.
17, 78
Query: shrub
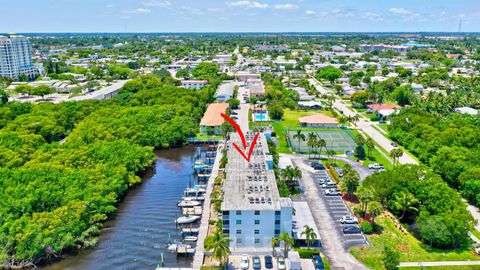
374, 117
366, 227
306, 253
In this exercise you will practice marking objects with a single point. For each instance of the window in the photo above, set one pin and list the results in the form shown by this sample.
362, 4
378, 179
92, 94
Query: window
277, 222
257, 213
239, 231
257, 221
226, 222
257, 231
239, 221
239, 213
226, 213
277, 213
277, 232
257, 241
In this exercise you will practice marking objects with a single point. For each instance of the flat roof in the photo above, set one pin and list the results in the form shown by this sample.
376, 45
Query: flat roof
250, 185
226, 89
212, 116
303, 217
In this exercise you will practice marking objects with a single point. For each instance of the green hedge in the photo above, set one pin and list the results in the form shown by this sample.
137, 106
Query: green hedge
306, 253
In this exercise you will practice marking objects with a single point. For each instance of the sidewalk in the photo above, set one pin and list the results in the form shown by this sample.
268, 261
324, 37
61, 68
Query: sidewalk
449, 263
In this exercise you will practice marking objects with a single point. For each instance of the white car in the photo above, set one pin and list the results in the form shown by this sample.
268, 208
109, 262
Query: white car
333, 192
244, 262
348, 220
281, 263
375, 166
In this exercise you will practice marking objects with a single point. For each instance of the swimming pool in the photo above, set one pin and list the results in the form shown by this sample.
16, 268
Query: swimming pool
261, 117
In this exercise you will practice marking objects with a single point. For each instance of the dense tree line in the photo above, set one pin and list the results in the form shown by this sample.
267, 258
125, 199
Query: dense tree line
449, 144
419, 197
64, 167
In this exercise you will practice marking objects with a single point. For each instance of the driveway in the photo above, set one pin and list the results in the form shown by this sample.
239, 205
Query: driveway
333, 242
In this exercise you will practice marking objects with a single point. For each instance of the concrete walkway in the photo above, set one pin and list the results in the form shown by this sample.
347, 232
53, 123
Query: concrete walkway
200, 250
449, 263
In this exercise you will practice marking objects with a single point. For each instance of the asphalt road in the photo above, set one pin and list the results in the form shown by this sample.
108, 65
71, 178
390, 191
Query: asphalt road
334, 244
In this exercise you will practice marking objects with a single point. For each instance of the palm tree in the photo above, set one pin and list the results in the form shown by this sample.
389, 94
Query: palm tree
219, 246
300, 137
404, 202
275, 242
321, 143
355, 119
310, 235
350, 182
365, 195
396, 153
311, 142
343, 120
375, 208
370, 144
287, 241
332, 155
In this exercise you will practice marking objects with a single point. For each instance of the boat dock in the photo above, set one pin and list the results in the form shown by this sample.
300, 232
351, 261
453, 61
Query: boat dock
200, 250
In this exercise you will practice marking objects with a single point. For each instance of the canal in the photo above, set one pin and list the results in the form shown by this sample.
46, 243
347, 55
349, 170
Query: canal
138, 236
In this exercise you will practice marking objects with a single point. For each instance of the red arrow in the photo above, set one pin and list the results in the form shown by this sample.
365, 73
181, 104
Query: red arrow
242, 137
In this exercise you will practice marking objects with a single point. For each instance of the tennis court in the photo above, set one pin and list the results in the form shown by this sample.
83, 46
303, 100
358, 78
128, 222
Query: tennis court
337, 139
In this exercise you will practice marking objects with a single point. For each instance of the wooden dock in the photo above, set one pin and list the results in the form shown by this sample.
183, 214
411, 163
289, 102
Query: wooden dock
200, 250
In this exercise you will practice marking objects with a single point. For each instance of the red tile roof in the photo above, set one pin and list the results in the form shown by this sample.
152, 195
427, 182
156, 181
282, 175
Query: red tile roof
212, 116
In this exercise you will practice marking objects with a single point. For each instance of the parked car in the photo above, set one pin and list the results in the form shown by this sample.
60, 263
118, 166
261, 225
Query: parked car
329, 185
233, 113
256, 262
351, 230
348, 220
281, 263
244, 262
333, 192
268, 262
324, 181
317, 165
394, 144
375, 166
318, 262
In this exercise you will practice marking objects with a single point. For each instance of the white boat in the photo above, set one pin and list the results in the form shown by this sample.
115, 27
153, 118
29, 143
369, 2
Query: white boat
190, 230
190, 239
193, 198
196, 210
194, 191
175, 246
187, 219
189, 203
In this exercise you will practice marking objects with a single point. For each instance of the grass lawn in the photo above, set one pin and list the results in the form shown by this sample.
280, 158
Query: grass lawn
290, 117
384, 127
199, 135
412, 250
281, 137
376, 156
476, 233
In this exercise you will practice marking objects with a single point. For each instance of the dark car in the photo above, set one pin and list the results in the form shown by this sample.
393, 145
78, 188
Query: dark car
317, 262
233, 113
394, 144
256, 263
268, 262
318, 166
351, 230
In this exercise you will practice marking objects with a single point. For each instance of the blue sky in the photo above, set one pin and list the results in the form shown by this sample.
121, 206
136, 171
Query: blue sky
238, 15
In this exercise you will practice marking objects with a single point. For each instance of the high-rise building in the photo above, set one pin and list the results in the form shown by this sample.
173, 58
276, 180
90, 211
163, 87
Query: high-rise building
16, 57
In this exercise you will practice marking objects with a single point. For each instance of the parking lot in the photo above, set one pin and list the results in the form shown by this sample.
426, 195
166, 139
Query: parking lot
337, 208
234, 263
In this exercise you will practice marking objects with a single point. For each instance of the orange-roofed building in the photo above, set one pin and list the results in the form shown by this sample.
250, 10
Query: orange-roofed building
212, 119
318, 120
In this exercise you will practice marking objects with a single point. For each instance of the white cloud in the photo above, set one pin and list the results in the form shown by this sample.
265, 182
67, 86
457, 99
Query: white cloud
138, 11
247, 4
310, 12
372, 14
110, 6
157, 3
403, 11
192, 10
215, 10
286, 6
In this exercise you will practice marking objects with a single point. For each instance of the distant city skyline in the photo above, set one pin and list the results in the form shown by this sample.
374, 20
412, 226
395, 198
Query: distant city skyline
240, 16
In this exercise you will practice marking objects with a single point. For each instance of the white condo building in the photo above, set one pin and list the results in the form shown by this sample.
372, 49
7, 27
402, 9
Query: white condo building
16, 57
252, 210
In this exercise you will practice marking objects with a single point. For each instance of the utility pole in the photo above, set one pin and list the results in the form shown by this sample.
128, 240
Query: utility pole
460, 26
